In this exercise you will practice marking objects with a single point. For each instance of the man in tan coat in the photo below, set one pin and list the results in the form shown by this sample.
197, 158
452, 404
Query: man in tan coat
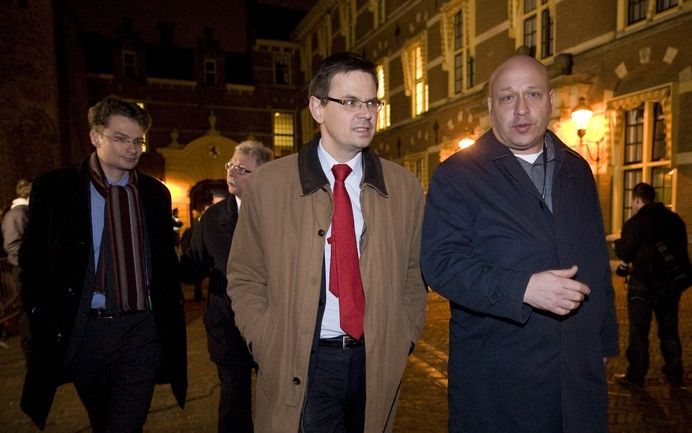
331, 354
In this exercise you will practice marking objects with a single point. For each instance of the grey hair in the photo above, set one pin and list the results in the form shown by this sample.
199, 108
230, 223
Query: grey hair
253, 147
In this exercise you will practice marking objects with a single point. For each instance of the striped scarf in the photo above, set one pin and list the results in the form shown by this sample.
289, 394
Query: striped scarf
125, 258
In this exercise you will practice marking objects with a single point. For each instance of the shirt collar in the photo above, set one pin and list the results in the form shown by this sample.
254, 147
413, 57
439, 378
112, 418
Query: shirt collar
327, 162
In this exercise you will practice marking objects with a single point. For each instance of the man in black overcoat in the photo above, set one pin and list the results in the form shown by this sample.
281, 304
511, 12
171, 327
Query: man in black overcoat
99, 280
652, 231
513, 237
208, 256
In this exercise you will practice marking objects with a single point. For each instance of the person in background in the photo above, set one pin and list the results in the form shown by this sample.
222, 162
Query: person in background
14, 222
208, 256
653, 230
324, 273
177, 225
13, 226
99, 280
513, 237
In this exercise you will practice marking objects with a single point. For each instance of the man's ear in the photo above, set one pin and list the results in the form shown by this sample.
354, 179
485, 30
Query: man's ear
316, 108
551, 95
94, 137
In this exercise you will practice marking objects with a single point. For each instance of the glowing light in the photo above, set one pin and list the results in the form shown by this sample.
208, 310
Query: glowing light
581, 114
466, 142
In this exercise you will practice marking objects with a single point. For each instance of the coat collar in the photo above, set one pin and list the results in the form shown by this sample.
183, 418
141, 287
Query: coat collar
19, 201
313, 178
493, 150
231, 204
496, 151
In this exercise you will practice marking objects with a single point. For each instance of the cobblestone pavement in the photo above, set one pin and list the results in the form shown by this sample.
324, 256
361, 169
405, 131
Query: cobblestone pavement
423, 406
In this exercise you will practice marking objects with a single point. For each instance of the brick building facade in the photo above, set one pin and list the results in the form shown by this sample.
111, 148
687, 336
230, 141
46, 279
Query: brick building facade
629, 59
203, 71
210, 81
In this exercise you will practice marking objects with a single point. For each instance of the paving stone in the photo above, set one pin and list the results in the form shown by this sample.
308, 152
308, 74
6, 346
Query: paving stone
423, 404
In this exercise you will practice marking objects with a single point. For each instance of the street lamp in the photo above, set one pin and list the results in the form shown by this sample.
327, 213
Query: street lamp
465, 142
466, 139
582, 114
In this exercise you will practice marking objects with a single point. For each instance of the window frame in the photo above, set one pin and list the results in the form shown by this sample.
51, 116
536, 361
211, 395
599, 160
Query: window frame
653, 129
543, 45
457, 58
276, 63
417, 163
384, 115
652, 12
414, 64
347, 22
277, 134
379, 12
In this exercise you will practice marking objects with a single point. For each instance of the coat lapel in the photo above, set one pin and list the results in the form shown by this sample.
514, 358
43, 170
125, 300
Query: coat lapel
508, 165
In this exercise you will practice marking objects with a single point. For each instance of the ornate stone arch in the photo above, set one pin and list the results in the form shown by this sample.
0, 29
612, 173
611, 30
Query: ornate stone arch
189, 164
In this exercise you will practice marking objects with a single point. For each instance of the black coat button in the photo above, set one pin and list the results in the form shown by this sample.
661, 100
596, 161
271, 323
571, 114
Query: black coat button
320, 232
296, 381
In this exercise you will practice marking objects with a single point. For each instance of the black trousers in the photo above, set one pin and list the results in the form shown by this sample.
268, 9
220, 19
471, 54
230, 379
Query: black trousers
233, 362
640, 307
114, 371
335, 401
235, 401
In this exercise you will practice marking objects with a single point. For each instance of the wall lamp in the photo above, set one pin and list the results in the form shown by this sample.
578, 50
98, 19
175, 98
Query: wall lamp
582, 114
465, 142
466, 139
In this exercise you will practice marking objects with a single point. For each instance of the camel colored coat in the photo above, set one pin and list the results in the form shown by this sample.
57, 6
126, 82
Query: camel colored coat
275, 279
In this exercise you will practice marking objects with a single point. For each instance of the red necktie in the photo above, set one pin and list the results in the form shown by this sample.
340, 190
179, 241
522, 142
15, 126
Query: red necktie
344, 271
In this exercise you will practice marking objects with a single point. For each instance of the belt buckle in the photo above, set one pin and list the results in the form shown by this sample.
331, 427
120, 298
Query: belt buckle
348, 342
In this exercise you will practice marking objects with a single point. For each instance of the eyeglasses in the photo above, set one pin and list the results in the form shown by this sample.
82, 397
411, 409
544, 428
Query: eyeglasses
354, 104
119, 139
238, 169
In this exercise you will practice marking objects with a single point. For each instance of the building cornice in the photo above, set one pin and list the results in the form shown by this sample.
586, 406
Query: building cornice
313, 17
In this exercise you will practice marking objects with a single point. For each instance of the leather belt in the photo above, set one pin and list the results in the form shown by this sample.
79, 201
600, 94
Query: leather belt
99, 313
344, 342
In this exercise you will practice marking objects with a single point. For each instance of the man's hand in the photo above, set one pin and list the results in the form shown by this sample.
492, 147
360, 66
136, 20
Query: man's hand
555, 291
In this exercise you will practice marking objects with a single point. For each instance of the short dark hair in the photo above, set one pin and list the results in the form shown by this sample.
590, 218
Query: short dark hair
334, 64
112, 105
644, 191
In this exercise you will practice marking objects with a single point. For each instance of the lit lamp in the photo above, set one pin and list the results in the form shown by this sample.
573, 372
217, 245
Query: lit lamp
466, 142
581, 114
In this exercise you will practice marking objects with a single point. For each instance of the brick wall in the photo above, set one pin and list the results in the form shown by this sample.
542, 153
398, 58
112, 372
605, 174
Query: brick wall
29, 127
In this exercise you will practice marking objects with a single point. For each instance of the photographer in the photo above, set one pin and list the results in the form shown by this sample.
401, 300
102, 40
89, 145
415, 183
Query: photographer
653, 247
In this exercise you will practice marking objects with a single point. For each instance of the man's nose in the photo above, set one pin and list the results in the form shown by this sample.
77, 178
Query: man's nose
364, 111
521, 107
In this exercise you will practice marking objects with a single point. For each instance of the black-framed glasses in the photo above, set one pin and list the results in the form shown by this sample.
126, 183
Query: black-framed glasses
238, 169
355, 104
121, 139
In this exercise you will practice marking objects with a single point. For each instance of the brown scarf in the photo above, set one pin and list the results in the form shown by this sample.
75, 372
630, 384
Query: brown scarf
125, 258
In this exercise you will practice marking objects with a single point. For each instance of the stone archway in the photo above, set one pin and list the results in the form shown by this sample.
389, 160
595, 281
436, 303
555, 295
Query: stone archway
189, 164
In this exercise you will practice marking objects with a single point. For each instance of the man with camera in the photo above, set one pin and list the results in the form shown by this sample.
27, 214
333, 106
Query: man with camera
653, 247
